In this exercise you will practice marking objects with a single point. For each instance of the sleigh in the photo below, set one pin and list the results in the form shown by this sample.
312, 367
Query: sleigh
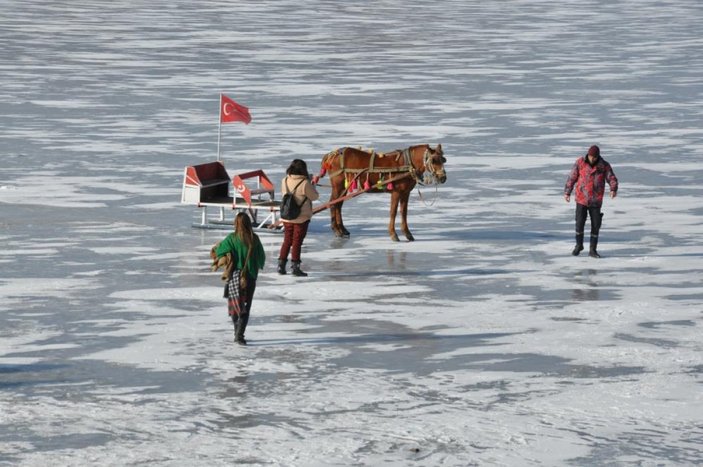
210, 186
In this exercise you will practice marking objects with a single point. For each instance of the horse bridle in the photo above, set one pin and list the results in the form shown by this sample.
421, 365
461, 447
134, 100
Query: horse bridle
429, 175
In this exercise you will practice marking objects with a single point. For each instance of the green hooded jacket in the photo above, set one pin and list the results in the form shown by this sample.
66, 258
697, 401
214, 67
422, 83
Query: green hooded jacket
234, 245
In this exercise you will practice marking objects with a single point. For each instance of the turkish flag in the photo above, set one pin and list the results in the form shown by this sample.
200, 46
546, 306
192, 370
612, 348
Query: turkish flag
230, 111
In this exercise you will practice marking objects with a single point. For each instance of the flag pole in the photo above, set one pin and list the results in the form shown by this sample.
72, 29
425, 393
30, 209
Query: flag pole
219, 127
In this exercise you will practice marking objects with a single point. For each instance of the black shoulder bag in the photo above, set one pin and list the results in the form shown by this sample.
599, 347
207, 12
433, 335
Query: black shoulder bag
289, 208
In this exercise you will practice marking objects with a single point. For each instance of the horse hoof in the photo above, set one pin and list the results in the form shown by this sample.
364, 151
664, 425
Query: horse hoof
395, 238
410, 238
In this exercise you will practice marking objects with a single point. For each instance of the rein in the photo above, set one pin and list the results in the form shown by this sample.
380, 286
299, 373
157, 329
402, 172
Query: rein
429, 178
434, 198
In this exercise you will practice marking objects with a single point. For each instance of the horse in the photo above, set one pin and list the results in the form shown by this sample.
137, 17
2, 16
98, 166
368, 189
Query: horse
396, 172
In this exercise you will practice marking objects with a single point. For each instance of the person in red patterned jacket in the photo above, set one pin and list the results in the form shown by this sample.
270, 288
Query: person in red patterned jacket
589, 176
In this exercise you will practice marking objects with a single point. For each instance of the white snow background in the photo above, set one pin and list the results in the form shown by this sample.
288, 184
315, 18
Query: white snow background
484, 342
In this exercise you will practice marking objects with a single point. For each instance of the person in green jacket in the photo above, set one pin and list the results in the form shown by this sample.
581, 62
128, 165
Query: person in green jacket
248, 258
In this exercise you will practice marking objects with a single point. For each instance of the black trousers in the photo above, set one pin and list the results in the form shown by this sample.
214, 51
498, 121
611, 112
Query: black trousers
249, 294
241, 321
596, 220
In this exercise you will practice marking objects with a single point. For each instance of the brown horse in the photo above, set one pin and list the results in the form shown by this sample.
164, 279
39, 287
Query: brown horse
396, 172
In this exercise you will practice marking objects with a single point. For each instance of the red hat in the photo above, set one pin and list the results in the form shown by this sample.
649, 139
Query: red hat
594, 151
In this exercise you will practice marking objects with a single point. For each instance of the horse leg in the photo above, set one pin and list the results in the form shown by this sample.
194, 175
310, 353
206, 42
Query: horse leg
336, 209
404, 216
333, 212
342, 231
333, 218
394, 211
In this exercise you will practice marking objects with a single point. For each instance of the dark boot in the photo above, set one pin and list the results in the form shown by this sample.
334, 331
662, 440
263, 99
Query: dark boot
235, 320
239, 328
594, 245
579, 245
282, 266
295, 268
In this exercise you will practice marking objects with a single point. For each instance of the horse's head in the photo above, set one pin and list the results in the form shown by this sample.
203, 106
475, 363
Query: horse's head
434, 163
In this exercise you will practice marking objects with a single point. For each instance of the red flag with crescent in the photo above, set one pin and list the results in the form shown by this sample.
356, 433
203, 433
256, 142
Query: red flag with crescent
230, 111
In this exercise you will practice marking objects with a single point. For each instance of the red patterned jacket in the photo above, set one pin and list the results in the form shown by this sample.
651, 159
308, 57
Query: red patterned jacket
589, 181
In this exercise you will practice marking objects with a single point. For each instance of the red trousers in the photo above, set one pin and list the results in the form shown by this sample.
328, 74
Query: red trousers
293, 236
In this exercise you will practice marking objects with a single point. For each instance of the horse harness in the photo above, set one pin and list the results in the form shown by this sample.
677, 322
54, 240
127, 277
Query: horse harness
408, 167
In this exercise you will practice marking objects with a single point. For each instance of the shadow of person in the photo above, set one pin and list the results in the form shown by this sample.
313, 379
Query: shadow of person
589, 291
585, 295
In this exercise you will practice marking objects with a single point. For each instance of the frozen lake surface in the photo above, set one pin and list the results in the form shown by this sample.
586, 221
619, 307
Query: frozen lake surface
484, 342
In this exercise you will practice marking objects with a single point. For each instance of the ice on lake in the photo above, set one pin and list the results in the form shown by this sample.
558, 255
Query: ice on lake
484, 342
